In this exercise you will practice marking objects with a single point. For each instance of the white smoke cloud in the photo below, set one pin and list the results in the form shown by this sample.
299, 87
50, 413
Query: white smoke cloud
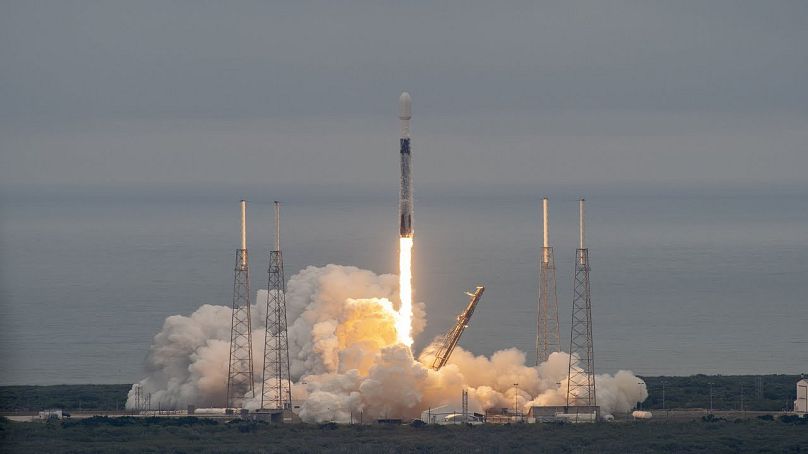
345, 361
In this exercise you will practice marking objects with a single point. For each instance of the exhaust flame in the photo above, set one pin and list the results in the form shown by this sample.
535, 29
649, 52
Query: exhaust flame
404, 319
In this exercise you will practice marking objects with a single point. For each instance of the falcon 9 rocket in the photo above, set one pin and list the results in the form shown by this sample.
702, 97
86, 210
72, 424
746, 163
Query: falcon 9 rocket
405, 194
404, 319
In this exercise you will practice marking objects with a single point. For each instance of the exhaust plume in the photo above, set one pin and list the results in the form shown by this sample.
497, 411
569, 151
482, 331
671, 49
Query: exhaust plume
348, 359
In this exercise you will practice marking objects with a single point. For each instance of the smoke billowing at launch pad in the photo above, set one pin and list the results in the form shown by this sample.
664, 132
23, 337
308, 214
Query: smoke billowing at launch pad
345, 358
334, 343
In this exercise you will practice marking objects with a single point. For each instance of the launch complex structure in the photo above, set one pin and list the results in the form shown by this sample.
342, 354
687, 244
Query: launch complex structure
276, 386
581, 367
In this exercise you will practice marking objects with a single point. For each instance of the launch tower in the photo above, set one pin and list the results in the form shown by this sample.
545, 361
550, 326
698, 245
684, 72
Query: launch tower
276, 391
240, 370
451, 338
547, 337
581, 383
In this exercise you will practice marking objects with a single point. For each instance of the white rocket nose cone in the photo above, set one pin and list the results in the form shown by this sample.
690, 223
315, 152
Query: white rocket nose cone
405, 106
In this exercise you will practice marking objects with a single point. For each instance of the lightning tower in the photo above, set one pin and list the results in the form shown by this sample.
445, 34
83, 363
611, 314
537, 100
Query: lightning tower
276, 392
547, 337
581, 383
240, 370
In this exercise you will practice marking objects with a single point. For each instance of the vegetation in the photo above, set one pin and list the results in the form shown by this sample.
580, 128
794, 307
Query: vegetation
702, 434
777, 392
758, 392
67, 397
100, 434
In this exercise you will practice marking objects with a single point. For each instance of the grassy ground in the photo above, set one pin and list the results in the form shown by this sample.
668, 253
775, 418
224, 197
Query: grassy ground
760, 392
665, 433
205, 436
754, 392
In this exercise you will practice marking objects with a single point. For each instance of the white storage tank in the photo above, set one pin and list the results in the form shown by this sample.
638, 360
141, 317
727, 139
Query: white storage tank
801, 404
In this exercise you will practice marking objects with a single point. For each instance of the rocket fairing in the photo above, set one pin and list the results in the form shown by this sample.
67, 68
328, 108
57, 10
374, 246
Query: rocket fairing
405, 193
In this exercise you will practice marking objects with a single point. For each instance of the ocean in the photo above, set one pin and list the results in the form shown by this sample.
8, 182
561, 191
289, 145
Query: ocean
683, 281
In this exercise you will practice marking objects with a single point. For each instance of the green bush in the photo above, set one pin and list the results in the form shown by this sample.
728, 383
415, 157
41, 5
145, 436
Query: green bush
793, 419
711, 418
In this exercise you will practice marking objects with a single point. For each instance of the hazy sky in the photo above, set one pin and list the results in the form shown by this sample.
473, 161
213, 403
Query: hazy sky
195, 92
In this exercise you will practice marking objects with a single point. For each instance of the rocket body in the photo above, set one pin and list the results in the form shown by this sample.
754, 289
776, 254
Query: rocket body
405, 192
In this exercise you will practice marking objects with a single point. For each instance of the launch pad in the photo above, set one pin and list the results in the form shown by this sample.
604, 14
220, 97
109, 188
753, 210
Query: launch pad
352, 344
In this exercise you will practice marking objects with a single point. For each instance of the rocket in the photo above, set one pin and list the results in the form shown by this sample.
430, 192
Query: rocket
405, 193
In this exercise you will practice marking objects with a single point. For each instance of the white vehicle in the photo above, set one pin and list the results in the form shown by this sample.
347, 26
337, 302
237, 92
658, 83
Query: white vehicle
46, 415
446, 415
457, 418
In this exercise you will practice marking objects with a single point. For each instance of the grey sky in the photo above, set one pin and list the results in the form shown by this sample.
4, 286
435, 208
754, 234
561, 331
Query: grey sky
164, 92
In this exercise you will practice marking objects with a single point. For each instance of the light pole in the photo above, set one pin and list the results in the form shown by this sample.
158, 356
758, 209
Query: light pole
639, 404
711, 397
516, 400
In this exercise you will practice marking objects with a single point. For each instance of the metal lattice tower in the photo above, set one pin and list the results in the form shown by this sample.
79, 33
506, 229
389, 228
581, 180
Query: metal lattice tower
140, 398
547, 332
452, 337
581, 383
276, 391
240, 370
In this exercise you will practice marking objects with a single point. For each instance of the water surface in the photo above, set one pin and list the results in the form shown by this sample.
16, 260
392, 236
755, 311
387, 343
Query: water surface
682, 282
